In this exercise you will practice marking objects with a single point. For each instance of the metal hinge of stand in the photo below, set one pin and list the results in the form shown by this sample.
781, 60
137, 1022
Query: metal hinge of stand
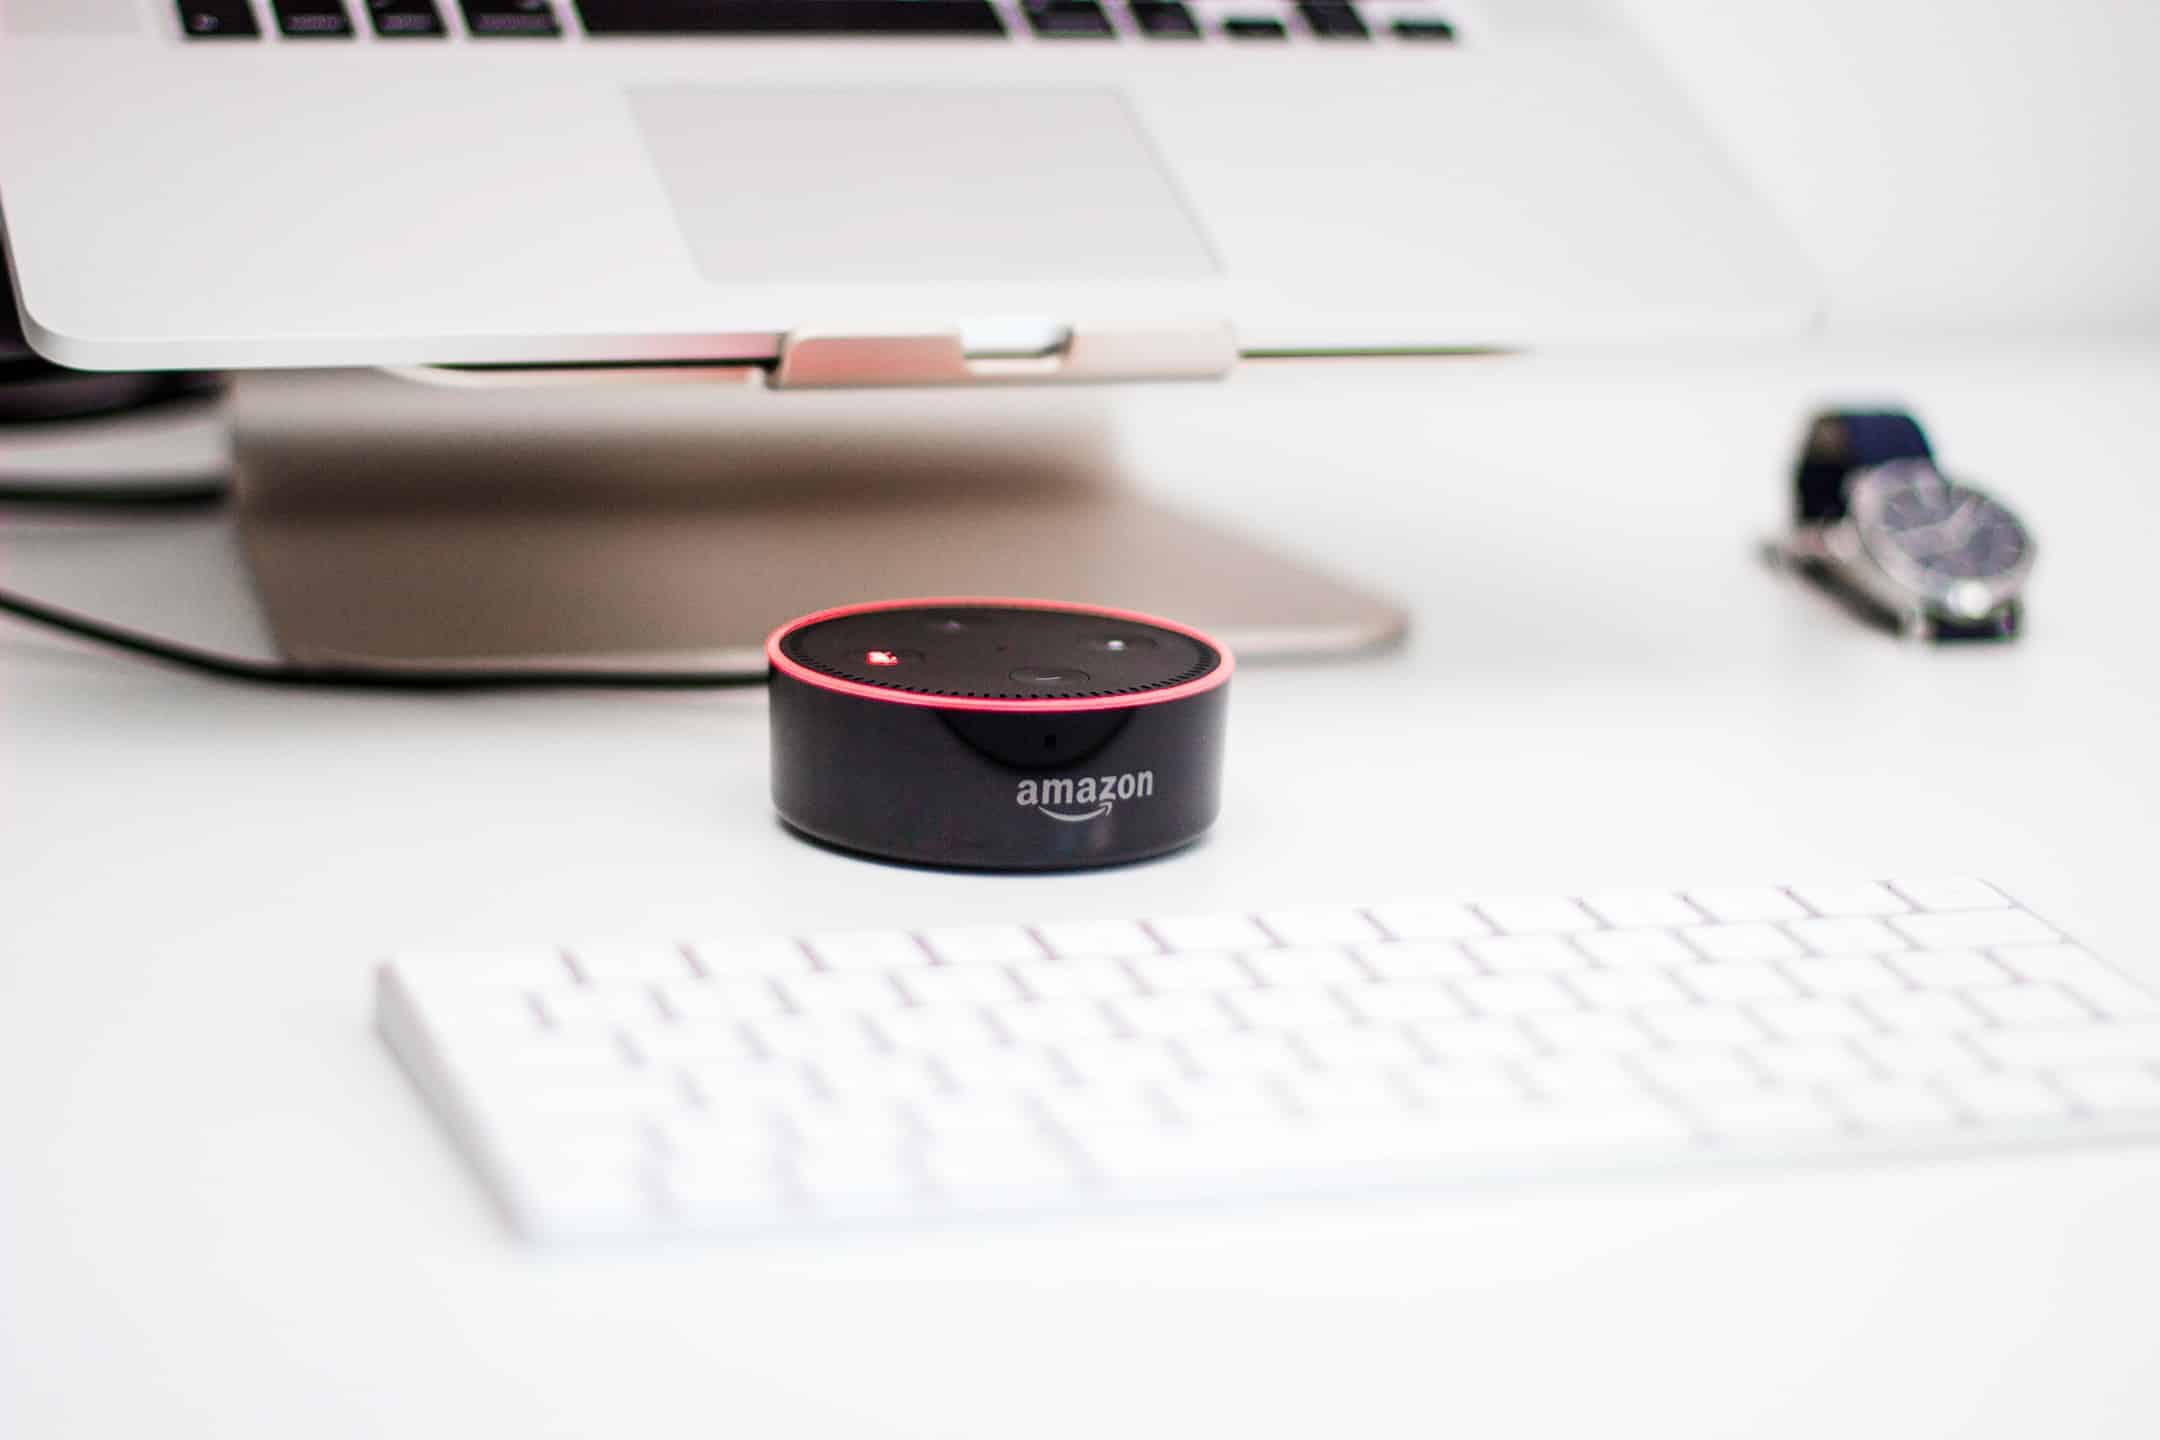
1202, 351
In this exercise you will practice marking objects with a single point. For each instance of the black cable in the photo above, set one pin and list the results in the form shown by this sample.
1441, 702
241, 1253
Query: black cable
333, 677
180, 492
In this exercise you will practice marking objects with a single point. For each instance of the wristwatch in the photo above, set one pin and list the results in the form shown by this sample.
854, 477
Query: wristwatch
1876, 522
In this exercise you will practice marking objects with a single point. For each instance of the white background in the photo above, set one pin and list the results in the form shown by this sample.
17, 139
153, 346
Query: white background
1977, 167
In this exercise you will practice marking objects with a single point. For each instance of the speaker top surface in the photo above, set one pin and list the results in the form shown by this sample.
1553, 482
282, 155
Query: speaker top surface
979, 653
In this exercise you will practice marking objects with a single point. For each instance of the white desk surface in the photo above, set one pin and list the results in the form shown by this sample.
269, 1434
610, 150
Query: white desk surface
223, 1211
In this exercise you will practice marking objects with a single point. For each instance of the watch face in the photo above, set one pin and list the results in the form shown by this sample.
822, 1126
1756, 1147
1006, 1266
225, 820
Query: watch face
1950, 544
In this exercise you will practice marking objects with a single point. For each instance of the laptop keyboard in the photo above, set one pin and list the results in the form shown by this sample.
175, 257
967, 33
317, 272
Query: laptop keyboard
1262, 21
742, 1082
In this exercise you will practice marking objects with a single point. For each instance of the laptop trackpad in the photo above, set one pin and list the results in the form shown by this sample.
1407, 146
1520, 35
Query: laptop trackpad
898, 185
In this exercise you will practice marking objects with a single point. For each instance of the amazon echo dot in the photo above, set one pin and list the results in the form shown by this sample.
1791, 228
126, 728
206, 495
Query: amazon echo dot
997, 734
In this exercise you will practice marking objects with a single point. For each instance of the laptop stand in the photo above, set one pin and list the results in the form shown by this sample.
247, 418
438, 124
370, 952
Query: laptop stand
651, 518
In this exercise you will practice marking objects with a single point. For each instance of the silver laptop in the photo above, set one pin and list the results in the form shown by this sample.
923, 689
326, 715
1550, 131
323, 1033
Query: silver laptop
233, 183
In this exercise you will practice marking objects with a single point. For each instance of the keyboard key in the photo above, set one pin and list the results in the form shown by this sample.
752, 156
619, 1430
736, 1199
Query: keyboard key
2127, 1041
1450, 1084
312, 19
1853, 900
1857, 900
752, 954
1699, 1073
1845, 936
982, 944
2041, 1004
802, 1037
1438, 32
1350, 1098
1415, 960
1097, 977
1569, 1075
721, 999
1739, 904
1188, 971
858, 950
601, 1007
1738, 980
1354, 1047
1306, 965
1083, 939
1630, 909
1844, 975
218, 20
1330, 20
2007, 1097
1164, 20
490, 18
1813, 1019
1919, 1056
403, 19
1051, 1021
1892, 1105
1974, 929
1625, 949
1320, 925
1430, 920
1129, 1065
947, 987
1249, 28
1753, 941
789, 17
1162, 1016
1922, 1012
1241, 1054
1765, 1114
1949, 969
2086, 975
1289, 1007
1536, 916
1589, 1034
1517, 995
1068, 19
1627, 989
1210, 932
1407, 1000
1705, 1027
1811, 1063
2112, 1089
1451, 1042
1527, 954
853, 991
1951, 893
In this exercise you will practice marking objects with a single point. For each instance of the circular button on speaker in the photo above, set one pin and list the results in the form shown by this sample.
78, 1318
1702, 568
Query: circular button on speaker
1062, 678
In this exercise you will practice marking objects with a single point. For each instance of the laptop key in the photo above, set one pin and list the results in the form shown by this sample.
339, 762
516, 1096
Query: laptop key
218, 20
1333, 20
1069, 20
1164, 20
1424, 30
1240, 27
509, 18
790, 17
312, 19
405, 19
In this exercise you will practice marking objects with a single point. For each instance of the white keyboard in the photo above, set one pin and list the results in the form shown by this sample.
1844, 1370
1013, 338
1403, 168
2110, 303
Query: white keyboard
739, 1084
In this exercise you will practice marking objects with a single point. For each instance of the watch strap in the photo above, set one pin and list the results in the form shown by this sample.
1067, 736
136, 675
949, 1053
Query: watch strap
1841, 442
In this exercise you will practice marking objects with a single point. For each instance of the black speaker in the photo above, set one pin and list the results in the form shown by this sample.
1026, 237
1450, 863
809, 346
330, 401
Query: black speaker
997, 734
